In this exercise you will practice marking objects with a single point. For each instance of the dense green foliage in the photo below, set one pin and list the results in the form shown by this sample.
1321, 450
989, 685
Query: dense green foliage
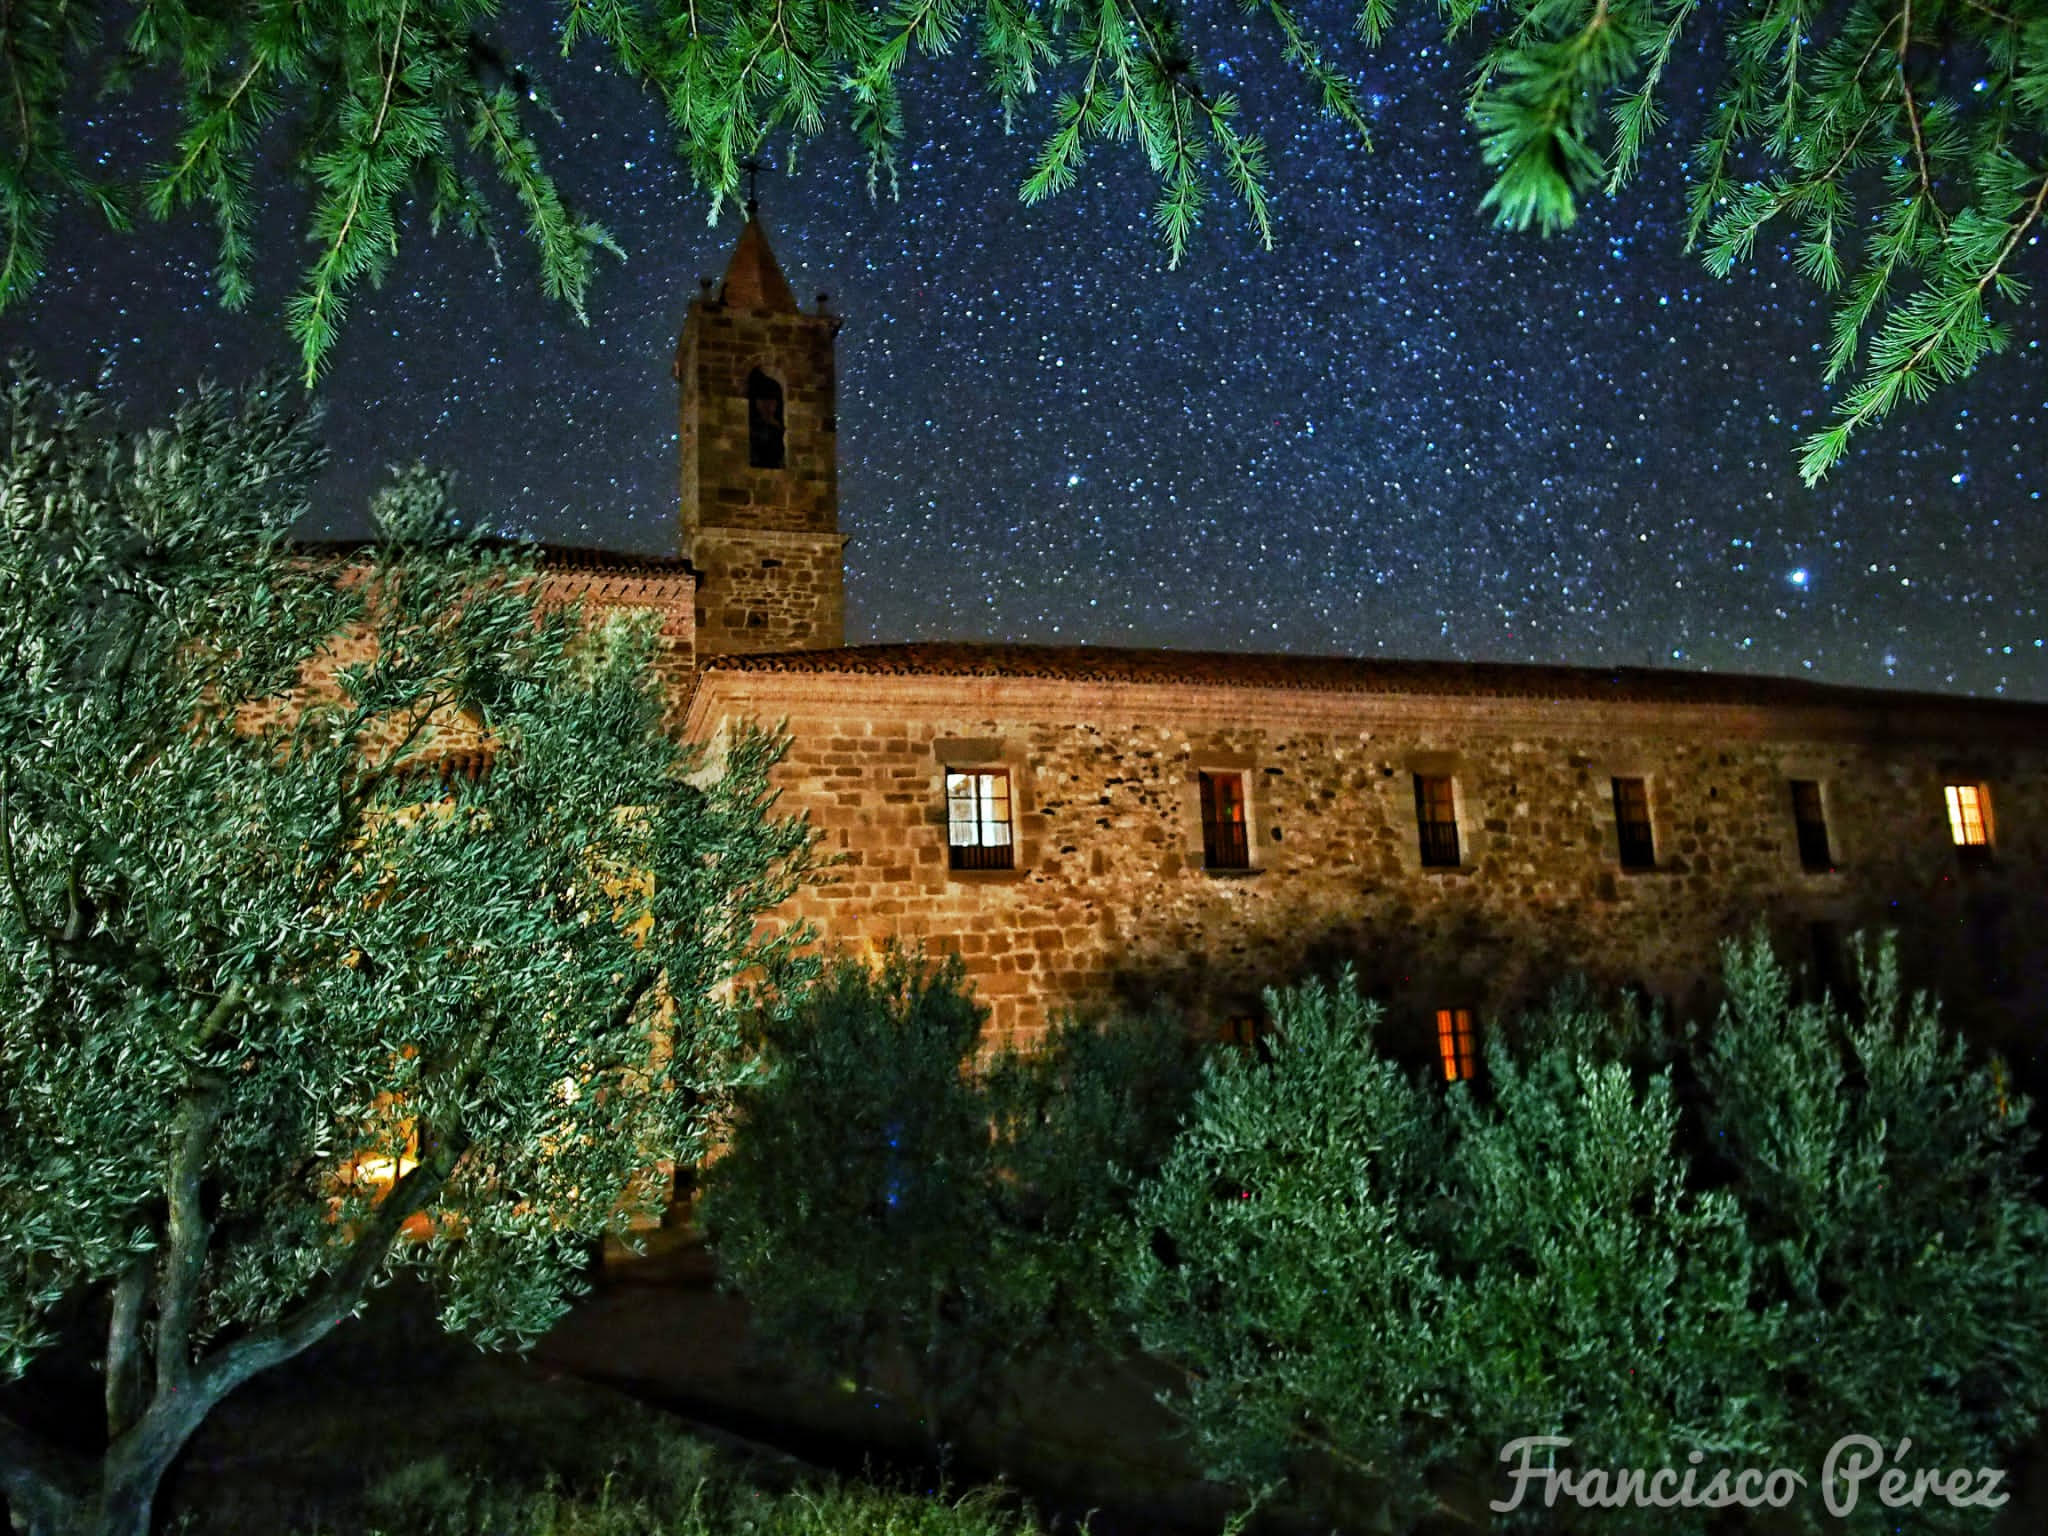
274, 988
899, 1210
1830, 1231
1902, 142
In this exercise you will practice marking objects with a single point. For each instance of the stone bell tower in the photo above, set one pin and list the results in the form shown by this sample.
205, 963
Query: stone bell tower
760, 474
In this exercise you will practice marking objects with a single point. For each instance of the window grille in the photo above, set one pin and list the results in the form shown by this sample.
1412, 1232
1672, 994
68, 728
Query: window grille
1969, 819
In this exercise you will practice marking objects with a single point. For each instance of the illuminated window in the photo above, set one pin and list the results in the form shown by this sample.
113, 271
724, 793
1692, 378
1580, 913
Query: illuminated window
978, 825
1812, 822
1457, 1043
1242, 1031
1632, 822
1436, 813
1969, 818
1224, 845
764, 421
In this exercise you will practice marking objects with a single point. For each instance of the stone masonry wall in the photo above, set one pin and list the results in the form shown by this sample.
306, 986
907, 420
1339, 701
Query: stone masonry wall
1110, 908
769, 591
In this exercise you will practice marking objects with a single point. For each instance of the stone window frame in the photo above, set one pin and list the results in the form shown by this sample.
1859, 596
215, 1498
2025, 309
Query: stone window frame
1472, 835
1797, 770
1195, 854
965, 754
1663, 833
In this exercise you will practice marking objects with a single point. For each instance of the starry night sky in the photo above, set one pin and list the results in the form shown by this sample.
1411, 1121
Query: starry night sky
1400, 432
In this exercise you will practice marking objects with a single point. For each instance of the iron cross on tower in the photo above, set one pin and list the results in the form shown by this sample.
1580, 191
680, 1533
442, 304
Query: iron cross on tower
753, 168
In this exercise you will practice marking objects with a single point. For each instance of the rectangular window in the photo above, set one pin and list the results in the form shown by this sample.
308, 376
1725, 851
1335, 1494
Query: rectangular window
1242, 1030
978, 825
1436, 813
1223, 826
1457, 1043
1812, 823
1969, 818
1632, 822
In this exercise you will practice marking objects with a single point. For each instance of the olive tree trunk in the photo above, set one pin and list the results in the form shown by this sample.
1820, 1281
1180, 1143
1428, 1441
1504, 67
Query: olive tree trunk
51, 1492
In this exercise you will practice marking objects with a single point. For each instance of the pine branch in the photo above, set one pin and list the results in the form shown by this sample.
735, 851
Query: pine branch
1638, 115
1937, 337
1926, 178
360, 180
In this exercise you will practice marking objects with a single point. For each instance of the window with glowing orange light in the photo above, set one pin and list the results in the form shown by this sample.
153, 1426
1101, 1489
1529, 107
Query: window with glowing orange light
1969, 818
1457, 1043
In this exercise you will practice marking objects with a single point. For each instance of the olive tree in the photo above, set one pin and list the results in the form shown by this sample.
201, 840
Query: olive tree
355, 917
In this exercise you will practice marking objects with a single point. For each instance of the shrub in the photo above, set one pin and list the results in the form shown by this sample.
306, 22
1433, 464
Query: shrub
887, 1195
1835, 1233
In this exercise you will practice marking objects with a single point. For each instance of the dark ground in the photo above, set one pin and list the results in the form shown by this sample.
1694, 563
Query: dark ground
659, 1330
298, 1448
305, 1447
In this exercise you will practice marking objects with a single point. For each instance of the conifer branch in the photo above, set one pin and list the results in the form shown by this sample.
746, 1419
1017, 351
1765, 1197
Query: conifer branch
1874, 168
1937, 337
1912, 109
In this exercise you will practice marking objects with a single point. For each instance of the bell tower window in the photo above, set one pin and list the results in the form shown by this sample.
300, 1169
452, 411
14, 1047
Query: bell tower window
764, 421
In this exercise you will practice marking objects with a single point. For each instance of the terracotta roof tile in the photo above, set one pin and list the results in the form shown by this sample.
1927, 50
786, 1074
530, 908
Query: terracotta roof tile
561, 558
552, 557
1335, 674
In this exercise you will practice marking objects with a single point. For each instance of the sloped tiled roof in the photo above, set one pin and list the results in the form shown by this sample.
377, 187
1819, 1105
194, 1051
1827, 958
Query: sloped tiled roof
552, 557
609, 561
1335, 674
753, 279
